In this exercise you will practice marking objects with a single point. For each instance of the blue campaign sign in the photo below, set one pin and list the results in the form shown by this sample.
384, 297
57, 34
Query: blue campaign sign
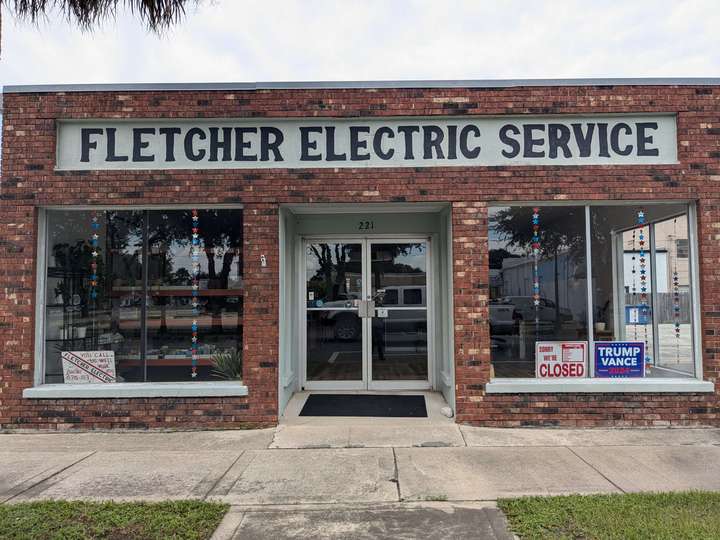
619, 359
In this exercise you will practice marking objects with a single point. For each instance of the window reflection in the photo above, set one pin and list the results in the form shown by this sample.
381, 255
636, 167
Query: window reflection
537, 283
74, 320
663, 312
149, 328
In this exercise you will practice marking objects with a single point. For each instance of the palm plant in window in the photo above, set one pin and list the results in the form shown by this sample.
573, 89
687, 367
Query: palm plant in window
227, 364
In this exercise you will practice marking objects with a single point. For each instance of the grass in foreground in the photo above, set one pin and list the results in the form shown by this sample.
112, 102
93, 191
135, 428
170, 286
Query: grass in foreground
632, 516
191, 520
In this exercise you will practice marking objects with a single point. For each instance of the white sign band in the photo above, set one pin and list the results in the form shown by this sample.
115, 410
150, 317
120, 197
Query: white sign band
357, 143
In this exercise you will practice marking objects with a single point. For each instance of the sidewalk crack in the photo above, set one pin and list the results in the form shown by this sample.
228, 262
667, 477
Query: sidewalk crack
396, 475
223, 475
462, 435
586, 462
49, 477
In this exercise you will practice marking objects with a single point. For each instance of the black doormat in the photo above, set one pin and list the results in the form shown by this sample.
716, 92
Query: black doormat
364, 405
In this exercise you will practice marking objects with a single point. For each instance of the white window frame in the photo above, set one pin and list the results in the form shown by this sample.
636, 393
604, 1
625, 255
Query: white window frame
41, 390
503, 385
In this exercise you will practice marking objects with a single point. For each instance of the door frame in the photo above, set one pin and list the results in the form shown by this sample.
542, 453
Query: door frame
366, 384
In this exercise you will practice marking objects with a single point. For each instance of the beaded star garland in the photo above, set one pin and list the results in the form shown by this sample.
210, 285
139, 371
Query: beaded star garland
195, 289
676, 297
643, 304
94, 241
536, 256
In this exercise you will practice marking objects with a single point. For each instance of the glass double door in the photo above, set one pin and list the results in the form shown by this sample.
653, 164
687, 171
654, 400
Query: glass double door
365, 314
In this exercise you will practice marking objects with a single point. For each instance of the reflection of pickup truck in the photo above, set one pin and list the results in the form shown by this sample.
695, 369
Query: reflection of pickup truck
506, 313
347, 323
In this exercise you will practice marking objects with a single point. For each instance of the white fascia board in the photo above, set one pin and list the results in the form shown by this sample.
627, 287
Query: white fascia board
565, 386
137, 390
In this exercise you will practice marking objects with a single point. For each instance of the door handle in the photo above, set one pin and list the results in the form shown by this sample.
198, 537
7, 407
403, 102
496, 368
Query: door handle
366, 309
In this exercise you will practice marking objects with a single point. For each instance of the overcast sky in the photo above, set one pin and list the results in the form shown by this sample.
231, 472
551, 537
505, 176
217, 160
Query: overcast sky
292, 40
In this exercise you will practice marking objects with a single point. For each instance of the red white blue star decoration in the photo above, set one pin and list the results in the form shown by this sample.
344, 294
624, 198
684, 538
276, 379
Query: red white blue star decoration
195, 289
535, 244
94, 241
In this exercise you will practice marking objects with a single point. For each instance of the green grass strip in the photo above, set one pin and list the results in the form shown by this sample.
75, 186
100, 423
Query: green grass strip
64, 520
672, 516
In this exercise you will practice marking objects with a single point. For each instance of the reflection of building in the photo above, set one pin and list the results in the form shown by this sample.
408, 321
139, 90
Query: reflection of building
516, 279
672, 251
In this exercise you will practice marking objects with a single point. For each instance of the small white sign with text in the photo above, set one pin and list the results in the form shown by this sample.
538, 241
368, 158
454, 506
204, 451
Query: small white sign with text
82, 367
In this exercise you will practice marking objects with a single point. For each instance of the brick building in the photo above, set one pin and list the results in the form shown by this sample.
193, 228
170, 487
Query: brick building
538, 252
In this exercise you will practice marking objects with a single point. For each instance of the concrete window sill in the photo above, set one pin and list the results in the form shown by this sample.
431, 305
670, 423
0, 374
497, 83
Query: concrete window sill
137, 390
537, 386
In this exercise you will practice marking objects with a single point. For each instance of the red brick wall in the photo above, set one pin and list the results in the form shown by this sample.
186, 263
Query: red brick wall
29, 182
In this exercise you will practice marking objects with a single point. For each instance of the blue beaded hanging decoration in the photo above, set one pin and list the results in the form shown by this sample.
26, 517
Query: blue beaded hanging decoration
195, 290
94, 254
643, 304
676, 297
535, 270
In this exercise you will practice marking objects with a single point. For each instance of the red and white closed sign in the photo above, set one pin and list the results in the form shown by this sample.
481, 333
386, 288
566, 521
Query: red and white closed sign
560, 359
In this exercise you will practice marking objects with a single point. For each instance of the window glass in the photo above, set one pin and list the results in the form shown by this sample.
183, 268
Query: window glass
155, 287
642, 300
412, 297
537, 283
94, 289
171, 311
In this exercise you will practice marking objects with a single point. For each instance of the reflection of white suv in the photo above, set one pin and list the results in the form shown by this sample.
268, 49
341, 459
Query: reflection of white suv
525, 307
347, 324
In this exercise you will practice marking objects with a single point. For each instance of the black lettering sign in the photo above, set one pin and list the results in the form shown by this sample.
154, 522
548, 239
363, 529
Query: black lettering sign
306, 144
267, 145
558, 139
615, 139
170, 133
241, 144
407, 132
432, 139
643, 139
190, 152
86, 144
509, 141
583, 140
378, 144
603, 140
465, 150
139, 145
530, 142
217, 144
111, 155
356, 144
330, 146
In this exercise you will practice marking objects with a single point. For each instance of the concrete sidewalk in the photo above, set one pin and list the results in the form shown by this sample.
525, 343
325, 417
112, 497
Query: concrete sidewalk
339, 471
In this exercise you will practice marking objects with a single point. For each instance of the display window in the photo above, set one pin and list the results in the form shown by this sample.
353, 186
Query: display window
633, 316
142, 295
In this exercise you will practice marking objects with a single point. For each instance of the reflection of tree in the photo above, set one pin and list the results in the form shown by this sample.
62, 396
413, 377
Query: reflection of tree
333, 262
221, 237
562, 230
331, 257
497, 256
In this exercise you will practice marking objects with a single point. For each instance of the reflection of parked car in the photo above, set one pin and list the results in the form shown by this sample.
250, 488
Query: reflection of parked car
504, 318
347, 324
518, 308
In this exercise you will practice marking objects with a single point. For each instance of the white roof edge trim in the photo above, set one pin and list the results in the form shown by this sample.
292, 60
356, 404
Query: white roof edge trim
331, 85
